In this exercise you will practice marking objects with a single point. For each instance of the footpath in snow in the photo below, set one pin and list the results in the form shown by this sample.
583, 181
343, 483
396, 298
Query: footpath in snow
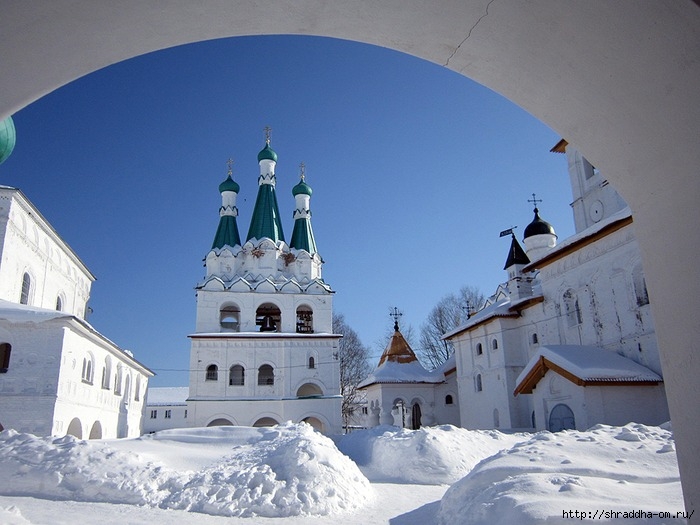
382, 475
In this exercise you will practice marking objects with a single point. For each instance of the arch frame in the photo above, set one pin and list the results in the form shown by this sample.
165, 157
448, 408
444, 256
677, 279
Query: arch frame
508, 46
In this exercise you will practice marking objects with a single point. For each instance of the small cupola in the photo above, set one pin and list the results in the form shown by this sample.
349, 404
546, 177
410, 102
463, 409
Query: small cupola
539, 235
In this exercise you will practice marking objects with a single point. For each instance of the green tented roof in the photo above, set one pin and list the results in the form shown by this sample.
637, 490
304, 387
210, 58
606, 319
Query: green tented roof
226, 233
266, 216
303, 236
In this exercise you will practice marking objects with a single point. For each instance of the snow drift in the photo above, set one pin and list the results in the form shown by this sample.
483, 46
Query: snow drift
286, 470
430, 456
603, 469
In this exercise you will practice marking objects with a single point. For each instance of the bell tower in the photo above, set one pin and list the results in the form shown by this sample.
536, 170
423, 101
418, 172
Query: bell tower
264, 318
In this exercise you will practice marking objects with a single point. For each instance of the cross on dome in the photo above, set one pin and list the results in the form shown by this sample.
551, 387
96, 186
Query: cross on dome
534, 201
396, 314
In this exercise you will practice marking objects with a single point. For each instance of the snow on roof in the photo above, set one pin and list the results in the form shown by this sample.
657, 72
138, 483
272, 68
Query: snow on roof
583, 365
570, 242
448, 366
21, 313
399, 364
393, 372
169, 395
500, 308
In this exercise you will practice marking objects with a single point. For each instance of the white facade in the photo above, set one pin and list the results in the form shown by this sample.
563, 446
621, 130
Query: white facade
166, 407
58, 375
264, 351
588, 291
400, 392
33, 254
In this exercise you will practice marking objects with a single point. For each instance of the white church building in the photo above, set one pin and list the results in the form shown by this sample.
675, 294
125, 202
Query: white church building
263, 351
58, 375
568, 341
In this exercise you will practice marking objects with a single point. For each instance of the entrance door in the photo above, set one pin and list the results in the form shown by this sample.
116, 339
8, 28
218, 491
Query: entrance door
415, 416
561, 418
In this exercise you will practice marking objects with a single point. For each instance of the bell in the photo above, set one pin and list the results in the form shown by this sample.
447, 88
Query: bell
268, 324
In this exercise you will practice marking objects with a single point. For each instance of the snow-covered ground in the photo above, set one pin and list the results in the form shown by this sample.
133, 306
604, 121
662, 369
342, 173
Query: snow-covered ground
384, 475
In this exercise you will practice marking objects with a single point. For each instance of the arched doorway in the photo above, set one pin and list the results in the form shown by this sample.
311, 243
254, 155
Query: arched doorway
316, 423
265, 422
561, 418
96, 431
508, 46
220, 422
415, 416
75, 428
309, 390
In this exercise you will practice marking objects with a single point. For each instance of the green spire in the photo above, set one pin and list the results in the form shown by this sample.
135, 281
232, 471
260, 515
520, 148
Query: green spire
227, 232
266, 221
303, 234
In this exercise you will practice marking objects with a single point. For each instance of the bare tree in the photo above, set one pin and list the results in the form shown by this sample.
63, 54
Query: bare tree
354, 365
451, 311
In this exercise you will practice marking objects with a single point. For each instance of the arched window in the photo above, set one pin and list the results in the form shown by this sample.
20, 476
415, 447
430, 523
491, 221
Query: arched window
230, 318
496, 418
236, 376
137, 389
127, 388
478, 385
305, 318
571, 309
212, 373
26, 289
118, 381
535, 339
268, 317
494, 344
312, 362
5, 349
449, 400
479, 349
561, 418
266, 375
106, 373
59, 303
87, 370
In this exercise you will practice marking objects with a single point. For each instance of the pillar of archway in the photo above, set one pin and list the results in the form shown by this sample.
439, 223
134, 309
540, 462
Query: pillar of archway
619, 80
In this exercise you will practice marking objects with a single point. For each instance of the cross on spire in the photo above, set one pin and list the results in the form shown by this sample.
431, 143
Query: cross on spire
396, 314
302, 170
229, 163
534, 200
267, 130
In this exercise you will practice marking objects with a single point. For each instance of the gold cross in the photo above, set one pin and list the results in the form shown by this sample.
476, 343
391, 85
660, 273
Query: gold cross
229, 163
302, 168
267, 130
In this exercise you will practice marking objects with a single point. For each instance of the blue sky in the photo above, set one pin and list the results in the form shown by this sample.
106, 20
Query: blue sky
415, 170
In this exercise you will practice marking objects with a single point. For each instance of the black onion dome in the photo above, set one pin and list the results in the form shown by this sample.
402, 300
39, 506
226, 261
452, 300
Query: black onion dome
538, 227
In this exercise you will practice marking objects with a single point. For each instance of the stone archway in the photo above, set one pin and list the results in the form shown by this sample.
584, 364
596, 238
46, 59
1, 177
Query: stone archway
96, 431
316, 423
219, 422
265, 422
630, 103
75, 428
